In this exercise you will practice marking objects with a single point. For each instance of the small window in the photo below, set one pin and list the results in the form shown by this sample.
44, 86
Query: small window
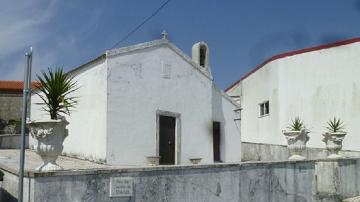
202, 56
264, 108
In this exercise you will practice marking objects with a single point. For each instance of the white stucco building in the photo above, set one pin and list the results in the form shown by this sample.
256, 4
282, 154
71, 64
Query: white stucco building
315, 84
150, 99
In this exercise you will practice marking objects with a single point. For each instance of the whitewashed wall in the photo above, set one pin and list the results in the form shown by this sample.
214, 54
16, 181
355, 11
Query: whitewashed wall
316, 86
115, 120
230, 139
87, 128
255, 90
137, 90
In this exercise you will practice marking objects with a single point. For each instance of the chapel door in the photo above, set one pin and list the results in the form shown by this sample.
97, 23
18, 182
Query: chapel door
167, 126
216, 141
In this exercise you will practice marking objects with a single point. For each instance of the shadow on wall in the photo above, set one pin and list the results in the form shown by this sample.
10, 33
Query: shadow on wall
218, 116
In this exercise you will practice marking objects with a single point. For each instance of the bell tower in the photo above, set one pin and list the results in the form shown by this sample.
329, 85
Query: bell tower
200, 54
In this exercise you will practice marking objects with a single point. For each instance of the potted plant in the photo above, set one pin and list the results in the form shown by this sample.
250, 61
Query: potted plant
54, 87
297, 137
334, 136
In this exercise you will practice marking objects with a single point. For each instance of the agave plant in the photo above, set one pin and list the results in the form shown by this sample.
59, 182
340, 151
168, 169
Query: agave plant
55, 87
296, 124
335, 125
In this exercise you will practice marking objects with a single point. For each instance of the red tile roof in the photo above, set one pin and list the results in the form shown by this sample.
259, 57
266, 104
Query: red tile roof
13, 86
296, 52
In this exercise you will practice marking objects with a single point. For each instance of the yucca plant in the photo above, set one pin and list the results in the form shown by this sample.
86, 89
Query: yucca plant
335, 125
54, 88
296, 125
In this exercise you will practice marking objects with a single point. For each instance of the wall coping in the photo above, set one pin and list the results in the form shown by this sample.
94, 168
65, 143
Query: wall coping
285, 146
119, 170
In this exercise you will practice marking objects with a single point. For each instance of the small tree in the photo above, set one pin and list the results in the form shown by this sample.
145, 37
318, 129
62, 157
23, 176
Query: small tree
296, 125
335, 125
55, 87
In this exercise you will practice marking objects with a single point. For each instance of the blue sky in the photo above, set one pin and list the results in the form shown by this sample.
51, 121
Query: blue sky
241, 34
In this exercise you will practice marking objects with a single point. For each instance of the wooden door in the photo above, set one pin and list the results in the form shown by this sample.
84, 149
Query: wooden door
167, 142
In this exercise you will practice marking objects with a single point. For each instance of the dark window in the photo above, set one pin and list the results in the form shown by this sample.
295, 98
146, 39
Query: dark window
264, 108
267, 107
202, 56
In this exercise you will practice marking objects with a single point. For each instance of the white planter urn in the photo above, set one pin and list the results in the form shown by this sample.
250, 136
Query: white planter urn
333, 143
195, 161
49, 136
153, 160
296, 143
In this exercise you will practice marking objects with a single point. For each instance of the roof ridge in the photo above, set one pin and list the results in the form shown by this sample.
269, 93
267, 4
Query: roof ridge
295, 52
117, 51
157, 42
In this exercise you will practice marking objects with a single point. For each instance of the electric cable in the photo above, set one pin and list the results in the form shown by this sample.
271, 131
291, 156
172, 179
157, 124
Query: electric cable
141, 24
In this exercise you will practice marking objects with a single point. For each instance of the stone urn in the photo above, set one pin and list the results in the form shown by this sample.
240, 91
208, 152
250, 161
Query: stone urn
333, 141
49, 136
153, 160
296, 141
195, 161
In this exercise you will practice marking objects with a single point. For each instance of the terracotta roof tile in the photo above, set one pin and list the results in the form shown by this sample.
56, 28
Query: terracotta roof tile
14, 86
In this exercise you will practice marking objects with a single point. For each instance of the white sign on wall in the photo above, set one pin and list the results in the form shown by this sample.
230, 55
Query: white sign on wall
121, 186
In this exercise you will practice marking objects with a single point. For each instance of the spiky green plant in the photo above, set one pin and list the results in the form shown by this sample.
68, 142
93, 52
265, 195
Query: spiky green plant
335, 125
296, 124
54, 88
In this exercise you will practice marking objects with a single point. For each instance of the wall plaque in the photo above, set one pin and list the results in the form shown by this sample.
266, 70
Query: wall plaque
121, 186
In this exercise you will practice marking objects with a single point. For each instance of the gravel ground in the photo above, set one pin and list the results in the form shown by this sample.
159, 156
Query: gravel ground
10, 159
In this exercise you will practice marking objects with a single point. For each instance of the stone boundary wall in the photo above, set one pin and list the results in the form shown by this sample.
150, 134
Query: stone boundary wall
10, 106
321, 180
12, 141
271, 152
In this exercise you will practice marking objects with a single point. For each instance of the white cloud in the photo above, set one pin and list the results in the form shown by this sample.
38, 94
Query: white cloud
42, 58
33, 23
20, 24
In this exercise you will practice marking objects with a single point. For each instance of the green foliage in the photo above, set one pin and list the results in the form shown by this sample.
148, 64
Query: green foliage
55, 88
296, 124
335, 125
14, 126
14, 122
